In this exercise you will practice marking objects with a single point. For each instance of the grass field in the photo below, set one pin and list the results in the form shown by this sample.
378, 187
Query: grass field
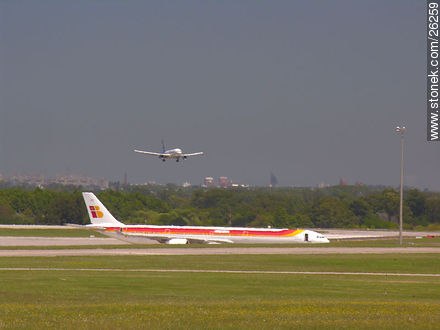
32, 232
75, 298
389, 263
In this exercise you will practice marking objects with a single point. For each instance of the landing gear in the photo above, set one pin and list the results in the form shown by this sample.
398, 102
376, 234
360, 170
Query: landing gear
163, 159
177, 160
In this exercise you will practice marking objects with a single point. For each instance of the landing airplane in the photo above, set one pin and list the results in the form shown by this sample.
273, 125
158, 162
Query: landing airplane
101, 219
167, 154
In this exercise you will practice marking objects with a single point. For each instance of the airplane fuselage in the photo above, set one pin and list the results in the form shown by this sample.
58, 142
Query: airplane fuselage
102, 219
173, 153
185, 234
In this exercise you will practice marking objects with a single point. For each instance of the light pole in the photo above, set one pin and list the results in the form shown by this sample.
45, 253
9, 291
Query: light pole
402, 133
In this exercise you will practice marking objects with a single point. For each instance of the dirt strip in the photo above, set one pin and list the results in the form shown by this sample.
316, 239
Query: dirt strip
217, 251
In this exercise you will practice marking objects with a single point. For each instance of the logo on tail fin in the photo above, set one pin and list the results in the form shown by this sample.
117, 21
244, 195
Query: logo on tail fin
96, 213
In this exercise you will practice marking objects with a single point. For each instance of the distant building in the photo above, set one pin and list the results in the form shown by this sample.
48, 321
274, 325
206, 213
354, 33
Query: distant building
80, 180
342, 182
64, 179
1, 177
273, 180
209, 182
223, 181
323, 185
31, 179
186, 184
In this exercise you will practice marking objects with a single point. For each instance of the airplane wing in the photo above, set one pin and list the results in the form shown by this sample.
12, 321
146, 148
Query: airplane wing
190, 239
208, 241
193, 154
148, 153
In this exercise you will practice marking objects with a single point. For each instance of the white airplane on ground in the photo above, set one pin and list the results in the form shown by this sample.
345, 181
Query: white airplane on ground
102, 219
167, 154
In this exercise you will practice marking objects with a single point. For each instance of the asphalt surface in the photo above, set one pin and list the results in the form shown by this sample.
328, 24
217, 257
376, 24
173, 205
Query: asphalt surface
352, 234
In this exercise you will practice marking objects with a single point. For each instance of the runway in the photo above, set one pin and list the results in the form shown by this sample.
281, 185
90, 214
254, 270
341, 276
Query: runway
216, 251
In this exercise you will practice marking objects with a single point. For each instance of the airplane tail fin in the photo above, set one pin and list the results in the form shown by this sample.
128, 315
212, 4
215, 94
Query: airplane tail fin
163, 147
98, 214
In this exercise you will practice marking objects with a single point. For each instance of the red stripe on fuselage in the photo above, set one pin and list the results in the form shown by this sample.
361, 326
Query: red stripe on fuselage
207, 231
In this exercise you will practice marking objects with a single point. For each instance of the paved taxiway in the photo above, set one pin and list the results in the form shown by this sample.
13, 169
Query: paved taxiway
353, 234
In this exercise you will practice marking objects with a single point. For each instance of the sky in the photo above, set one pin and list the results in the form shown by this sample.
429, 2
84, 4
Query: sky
308, 90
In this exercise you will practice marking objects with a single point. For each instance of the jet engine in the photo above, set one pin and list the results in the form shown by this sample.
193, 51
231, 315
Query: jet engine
177, 241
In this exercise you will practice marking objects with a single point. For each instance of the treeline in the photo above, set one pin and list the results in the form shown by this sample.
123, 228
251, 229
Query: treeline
339, 206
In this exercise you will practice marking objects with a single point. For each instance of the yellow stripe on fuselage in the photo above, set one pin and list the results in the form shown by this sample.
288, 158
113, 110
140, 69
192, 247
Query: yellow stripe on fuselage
294, 233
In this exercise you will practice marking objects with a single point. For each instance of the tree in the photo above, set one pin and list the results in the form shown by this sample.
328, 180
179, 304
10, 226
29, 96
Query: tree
330, 212
388, 202
433, 209
6, 212
281, 218
301, 220
66, 208
361, 208
416, 202
262, 221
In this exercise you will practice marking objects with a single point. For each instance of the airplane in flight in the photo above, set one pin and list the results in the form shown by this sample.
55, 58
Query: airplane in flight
168, 154
102, 219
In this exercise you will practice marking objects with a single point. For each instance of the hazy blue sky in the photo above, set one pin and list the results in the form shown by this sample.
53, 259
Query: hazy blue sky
310, 90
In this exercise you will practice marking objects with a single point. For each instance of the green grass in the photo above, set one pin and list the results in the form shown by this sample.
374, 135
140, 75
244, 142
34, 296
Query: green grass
22, 232
391, 263
92, 299
422, 242
280, 314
